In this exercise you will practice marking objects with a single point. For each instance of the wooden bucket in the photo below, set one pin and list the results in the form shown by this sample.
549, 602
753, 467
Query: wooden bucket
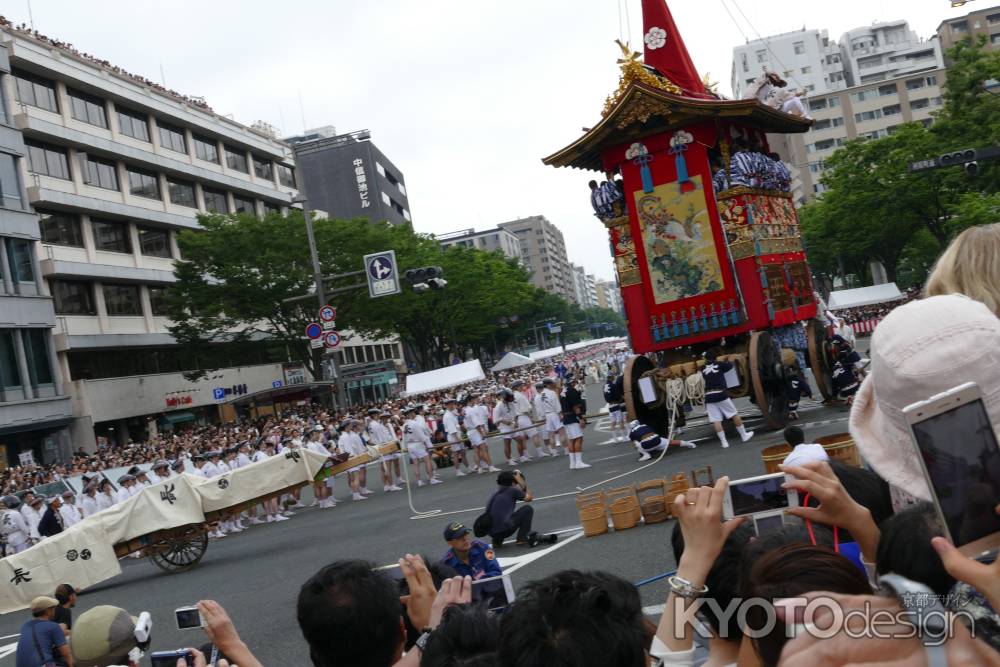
654, 509
774, 455
594, 520
588, 499
678, 484
623, 514
626, 492
841, 447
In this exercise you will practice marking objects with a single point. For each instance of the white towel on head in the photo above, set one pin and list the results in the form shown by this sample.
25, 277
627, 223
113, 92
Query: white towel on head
805, 453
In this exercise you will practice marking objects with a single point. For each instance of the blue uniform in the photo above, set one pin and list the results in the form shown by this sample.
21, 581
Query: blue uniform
482, 563
645, 437
715, 380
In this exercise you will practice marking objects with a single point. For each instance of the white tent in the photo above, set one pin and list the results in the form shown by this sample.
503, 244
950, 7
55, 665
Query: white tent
442, 378
512, 360
863, 296
572, 347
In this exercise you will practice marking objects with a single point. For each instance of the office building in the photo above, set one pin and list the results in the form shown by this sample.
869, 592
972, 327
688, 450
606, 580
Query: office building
806, 59
115, 166
984, 22
543, 252
584, 289
609, 296
35, 410
492, 240
869, 111
885, 51
347, 176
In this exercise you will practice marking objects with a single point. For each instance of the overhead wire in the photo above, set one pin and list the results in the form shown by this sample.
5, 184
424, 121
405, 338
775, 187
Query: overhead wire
767, 44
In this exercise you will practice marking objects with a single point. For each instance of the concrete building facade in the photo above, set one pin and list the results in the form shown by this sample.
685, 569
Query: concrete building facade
806, 59
985, 22
115, 166
543, 251
609, 296
35, 410
347, 176
584, 289
497, 239
885, 51
868, 111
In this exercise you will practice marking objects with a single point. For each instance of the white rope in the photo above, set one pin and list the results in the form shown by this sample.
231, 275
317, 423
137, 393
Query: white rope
676, 391
695, 388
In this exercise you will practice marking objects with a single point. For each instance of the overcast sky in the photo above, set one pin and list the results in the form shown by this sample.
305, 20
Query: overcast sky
465, 97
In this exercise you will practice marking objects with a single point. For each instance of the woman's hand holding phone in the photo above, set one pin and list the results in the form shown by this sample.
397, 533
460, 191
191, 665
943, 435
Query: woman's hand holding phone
985, 578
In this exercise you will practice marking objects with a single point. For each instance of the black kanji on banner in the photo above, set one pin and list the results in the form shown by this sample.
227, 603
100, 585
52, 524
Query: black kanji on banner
293, 454
167, 495
72, 555
223, 483
20, 575
85, 554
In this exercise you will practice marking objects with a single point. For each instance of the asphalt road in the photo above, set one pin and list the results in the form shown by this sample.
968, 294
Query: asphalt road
256, 575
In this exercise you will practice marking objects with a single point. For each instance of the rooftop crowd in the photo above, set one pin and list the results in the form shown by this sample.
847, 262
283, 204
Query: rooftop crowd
864, 541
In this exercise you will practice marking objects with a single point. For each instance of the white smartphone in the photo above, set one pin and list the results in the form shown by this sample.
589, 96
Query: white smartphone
497, 591
757, 495
188, 618
959, 454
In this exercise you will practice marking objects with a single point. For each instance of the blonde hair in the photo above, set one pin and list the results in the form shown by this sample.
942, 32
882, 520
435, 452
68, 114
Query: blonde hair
970, 265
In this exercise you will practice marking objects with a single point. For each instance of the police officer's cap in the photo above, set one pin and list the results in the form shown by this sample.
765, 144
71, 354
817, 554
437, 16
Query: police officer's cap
385, 413
455, 530
407, 409
68, 494
126, 478
11, 502
197, 457
449, 399
134, 470
372, 412
215, 453
160, 464
517, 383
178, 464
548, 381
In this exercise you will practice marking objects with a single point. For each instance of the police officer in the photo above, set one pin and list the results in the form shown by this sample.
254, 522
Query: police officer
469, 557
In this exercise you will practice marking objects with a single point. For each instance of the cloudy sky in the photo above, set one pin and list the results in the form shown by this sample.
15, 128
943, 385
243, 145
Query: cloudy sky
465, 97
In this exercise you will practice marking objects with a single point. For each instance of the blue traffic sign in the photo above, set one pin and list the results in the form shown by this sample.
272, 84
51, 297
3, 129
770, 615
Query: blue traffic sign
331, 339
328, 313
275, 384
383, 277
218, 393
314, 330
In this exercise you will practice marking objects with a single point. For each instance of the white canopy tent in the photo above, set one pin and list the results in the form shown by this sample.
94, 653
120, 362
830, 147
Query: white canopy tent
863, 296
442, 378
512, 360
572, 347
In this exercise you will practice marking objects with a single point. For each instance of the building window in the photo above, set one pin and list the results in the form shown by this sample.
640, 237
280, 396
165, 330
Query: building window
19, 255
817, 105
73, 297
87, 108
215, 200
799, 47
915, 84
824, 145
100, 173
891, 110
838, 121
206, 148
887, 90
36, 91
143, 183
122, 299
863, 95
834, 102
822, 124
932, 80
379, 168
386, 199
236, 159
286, 175
60, 229
10, 375
920, 104
36, 350
154, 242
867, 115
244, 205
111, 236
262, 168
762, 56
133, 124
10, 184
181, 193
959, 26
47, 160
172, 137
270, 208
158, 300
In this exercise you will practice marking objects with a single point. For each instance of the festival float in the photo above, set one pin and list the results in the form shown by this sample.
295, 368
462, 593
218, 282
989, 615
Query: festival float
701, 264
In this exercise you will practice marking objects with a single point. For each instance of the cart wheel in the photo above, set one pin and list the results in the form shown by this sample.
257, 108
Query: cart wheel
819, 358
656, 417
181, 552
768, 383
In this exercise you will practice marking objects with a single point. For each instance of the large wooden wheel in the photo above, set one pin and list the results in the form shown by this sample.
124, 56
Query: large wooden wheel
767, 380
182, 550
657, 417
820, 360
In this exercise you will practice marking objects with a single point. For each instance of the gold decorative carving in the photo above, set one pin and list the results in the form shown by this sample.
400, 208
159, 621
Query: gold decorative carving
633, 71
640, 110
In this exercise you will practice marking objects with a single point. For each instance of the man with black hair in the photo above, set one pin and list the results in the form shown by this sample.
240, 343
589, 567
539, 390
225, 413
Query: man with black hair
572, 411
575, 618
802, 452
718, 405
505, 521
66, 595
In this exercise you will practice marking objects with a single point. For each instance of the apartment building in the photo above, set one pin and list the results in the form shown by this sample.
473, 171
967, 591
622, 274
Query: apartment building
885, 51
543, 252
115, 166
609, 295
806, 59
868, 111
497, 239
584, 287
984, 22
35, 410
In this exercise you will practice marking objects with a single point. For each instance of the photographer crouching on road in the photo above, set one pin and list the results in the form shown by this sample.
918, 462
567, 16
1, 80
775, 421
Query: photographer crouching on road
500, 520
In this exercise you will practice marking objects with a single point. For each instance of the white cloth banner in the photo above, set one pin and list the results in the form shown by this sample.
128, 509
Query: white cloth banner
287, 469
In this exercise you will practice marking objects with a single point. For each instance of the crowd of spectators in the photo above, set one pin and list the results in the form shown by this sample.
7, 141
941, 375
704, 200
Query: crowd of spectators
24, 29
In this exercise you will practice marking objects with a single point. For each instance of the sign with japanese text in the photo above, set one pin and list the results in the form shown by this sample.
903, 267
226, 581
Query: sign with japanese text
359, 172
382, 273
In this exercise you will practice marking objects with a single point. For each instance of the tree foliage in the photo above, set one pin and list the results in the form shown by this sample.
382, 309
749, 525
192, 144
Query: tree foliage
238, 272
873, 208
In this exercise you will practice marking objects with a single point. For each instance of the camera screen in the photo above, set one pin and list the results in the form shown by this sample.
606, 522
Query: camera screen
766, 524
962, 458
493, 591
758, 496
169, 658
188, 618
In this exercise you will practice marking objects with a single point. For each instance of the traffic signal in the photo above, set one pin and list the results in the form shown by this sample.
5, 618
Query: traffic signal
426, 278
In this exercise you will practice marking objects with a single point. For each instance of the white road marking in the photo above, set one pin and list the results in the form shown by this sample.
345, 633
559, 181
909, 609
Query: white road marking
511, 565
653, 610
